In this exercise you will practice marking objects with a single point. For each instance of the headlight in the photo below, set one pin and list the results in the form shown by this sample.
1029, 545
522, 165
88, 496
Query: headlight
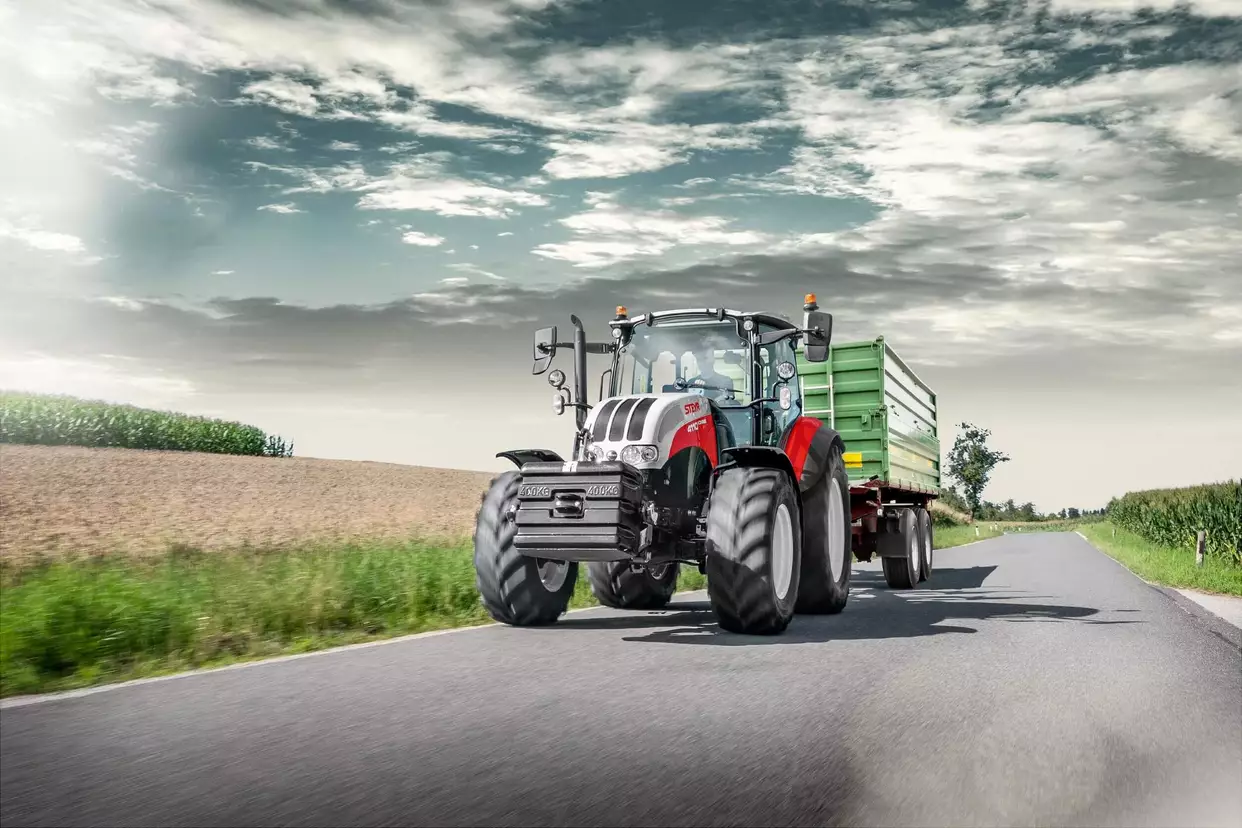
639, 455
595, 453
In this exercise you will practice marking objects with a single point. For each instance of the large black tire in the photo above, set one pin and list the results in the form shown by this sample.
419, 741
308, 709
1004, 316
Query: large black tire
827, 562
512, 586
927, 538
618, 585
903, 572
754, 541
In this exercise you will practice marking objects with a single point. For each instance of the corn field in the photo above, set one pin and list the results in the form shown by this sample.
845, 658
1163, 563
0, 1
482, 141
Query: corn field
51, 420
1172, 517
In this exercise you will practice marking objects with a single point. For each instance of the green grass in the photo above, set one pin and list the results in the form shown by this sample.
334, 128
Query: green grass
1165, 565
55, 420
949, 536
73, 624
77, 623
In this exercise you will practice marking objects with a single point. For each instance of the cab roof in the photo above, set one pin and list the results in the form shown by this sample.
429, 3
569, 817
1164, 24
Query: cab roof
720, 314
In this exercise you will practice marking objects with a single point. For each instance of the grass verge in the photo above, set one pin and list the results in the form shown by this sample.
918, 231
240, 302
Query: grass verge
71, 624
946, 537
1162, 564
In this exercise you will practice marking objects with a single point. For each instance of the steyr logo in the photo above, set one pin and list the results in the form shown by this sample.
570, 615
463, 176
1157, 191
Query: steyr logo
693, 408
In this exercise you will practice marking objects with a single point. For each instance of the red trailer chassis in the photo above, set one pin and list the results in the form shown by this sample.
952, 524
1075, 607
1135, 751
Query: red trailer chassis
873, 499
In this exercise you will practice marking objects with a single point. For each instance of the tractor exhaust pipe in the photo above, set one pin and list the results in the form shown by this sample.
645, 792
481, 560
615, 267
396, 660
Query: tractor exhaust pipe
580, 370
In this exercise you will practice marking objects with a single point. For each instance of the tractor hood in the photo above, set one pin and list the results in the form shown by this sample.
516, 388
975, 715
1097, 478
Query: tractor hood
645, 430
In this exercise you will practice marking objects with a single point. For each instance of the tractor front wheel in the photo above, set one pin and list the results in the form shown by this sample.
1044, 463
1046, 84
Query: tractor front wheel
516, 589
617, 584
754, 550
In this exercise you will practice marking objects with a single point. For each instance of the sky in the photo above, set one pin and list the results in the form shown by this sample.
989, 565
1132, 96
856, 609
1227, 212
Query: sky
342, 221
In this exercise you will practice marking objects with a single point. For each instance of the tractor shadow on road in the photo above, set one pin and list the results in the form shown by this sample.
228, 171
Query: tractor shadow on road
874, 612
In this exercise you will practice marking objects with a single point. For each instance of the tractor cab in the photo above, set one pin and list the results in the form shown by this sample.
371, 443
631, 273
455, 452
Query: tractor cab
744, 365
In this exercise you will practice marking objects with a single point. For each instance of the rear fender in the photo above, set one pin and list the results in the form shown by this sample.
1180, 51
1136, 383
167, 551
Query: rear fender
808, 444
520, 457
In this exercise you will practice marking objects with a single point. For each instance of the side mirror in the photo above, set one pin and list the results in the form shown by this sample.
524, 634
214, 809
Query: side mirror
545, 349
818, 325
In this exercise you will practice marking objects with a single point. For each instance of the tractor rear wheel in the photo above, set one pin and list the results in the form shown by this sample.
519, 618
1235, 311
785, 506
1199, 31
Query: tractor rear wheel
826, 558
516, 589
903, 572
754, 545
617, 584
926, 538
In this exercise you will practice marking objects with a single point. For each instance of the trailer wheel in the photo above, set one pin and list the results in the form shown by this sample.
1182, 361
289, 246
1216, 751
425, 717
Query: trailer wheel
826, 556
754, 545
926, 539
903, 572
617, 584
516, 589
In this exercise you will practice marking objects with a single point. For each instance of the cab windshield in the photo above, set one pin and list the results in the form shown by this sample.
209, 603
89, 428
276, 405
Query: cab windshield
707, 356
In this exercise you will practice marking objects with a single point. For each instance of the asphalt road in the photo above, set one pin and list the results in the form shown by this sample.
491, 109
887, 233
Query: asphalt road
1036, 682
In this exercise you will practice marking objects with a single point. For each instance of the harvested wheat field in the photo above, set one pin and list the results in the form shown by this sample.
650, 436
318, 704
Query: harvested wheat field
65, 500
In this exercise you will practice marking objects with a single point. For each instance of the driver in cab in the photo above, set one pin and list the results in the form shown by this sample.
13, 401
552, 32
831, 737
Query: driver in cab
717, 385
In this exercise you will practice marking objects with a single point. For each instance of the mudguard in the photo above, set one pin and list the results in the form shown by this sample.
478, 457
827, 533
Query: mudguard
520, 457
807, 443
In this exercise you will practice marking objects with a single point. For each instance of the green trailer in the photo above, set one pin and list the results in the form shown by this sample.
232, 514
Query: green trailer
889, 422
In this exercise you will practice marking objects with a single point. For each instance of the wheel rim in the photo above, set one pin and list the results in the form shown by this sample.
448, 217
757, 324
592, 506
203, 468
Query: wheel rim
914, 553
552, 573
927, 549
836, 538
782, 552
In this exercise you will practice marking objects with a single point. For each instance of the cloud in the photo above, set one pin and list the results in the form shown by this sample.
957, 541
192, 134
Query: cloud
609, 233
44, 240
284, 209
344, 146
422, 239
265, 142
223, 272
419, 184
285, 94
1207, 8
445, 196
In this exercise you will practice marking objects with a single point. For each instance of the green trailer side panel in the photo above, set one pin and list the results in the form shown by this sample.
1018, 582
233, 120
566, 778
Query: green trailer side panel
880, 408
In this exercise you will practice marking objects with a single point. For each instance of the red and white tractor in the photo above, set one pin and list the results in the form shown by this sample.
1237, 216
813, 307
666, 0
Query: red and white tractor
697, 454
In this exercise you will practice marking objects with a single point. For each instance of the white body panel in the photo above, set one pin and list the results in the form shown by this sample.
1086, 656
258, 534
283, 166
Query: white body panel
643, 420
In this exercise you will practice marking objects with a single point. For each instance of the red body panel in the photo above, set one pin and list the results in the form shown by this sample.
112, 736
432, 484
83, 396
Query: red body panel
797, 442
699, 433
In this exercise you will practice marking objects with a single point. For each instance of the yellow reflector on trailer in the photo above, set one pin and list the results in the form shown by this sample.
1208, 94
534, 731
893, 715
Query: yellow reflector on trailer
853, 459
